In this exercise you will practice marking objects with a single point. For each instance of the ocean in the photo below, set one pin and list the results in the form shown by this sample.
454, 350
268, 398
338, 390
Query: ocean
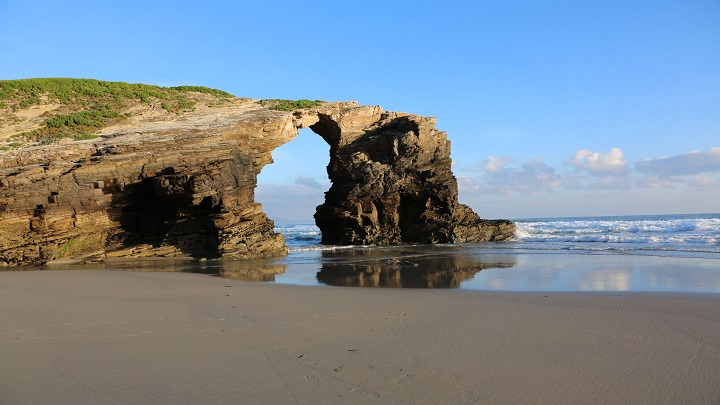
661, 253
687, 235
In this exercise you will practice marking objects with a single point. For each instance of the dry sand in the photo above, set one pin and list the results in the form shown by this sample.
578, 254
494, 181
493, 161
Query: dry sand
111, 337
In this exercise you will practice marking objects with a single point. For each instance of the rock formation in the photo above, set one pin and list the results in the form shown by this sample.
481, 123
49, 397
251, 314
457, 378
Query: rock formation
168, 184
392, 183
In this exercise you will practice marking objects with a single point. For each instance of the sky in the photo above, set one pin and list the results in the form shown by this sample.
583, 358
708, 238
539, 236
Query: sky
554, 108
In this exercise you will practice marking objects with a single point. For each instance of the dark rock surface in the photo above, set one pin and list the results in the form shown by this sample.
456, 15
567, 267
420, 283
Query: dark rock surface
392, 183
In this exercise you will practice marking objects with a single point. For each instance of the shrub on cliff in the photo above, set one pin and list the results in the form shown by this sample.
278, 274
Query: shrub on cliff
89, 104
289, 105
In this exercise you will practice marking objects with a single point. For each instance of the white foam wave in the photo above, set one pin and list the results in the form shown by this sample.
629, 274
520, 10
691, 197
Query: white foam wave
680, 233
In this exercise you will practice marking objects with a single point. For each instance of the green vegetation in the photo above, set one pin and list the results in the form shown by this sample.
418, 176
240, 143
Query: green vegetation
79, 245
89, 118
27, 92
13, 144
65, 248
13, 119
289, 105
90, 104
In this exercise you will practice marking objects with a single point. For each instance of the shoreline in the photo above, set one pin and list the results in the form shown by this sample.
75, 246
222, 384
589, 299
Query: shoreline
120, 336
447, 267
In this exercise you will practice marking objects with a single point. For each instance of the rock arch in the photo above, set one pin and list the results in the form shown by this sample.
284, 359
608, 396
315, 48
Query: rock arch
184, 186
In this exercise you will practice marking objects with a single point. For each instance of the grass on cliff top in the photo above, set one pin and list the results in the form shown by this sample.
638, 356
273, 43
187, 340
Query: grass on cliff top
90, 103
289, 105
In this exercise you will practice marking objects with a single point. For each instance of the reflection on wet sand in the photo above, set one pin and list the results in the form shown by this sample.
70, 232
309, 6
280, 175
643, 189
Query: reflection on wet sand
444, 267
252, 271
573, 272
423, 272
146, 264
161, 265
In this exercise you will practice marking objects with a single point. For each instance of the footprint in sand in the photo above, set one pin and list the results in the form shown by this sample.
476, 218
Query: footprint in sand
310, 379
368, 394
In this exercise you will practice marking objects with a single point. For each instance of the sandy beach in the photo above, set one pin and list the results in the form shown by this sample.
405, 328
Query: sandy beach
119, 337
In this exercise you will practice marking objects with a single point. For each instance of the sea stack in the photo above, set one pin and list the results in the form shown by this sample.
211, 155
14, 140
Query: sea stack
392, 183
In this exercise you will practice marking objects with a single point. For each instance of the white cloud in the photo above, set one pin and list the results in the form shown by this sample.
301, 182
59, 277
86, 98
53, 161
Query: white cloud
600, 164
532, 177
495, 164
604, 185
682, 164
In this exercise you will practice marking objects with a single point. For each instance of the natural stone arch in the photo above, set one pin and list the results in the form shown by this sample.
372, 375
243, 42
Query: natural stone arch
197, 172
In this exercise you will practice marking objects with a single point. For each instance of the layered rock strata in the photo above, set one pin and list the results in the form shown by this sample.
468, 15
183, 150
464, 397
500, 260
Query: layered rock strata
183, 185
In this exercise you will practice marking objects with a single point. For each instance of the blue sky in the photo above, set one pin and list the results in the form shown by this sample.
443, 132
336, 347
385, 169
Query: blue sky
554, 108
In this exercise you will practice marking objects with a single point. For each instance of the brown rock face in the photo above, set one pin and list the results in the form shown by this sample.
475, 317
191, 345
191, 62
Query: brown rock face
179, 186
392, 183
183, 185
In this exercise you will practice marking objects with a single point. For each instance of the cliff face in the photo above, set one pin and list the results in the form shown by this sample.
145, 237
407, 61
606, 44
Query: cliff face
183, 185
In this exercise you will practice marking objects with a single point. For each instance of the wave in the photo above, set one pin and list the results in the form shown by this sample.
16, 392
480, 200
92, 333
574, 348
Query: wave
697, 233
301, 236
682, 233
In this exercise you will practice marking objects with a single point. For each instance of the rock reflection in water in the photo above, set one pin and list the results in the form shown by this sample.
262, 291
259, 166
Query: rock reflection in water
159, 265
146, 264
424, 272
249, 271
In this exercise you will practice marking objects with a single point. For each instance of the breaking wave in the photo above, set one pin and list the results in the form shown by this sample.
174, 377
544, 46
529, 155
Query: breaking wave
678, 233
668, 235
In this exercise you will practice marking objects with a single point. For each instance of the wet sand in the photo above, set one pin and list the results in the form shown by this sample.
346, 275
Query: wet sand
111, 337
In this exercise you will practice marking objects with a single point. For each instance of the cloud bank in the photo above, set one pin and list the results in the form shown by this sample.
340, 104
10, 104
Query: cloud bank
590, 170
683, 164
588, 183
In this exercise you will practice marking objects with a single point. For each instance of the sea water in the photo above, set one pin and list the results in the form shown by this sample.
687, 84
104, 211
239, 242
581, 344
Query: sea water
661, 253
693, 235
689, 235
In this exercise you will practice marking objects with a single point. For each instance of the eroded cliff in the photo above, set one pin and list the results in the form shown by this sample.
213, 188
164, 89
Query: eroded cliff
169, 183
